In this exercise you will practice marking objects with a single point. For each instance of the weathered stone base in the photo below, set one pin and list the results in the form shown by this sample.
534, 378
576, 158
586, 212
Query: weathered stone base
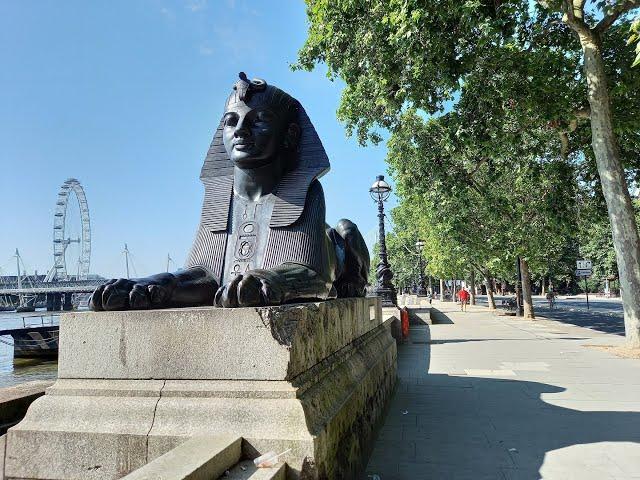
322, 403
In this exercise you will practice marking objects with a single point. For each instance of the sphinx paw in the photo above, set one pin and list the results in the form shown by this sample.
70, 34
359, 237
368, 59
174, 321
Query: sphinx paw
249, 290
115, 294
125, 294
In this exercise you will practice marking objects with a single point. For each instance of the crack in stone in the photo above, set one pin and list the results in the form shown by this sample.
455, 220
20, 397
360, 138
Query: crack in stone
153, 420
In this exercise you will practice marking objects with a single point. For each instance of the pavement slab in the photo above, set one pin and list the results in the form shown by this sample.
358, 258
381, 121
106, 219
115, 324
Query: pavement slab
501, 398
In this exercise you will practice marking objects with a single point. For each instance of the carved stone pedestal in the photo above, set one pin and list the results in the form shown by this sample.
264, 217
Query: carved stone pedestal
132, 385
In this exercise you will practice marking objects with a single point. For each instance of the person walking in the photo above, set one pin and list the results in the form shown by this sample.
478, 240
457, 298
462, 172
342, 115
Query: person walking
463, 295
551, 298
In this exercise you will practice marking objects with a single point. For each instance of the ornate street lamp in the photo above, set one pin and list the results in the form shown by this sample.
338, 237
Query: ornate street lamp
421, 287
380, 191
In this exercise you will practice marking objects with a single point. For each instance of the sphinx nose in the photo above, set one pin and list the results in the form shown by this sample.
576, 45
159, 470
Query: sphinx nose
242, 128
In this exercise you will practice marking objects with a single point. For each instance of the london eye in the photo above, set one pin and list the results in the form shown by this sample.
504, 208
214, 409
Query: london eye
71, 225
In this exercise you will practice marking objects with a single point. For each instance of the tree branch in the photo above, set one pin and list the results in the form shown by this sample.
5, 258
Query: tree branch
576, 22
477, 267
578, 9
564, 144
583, 113
580, 114
604, 24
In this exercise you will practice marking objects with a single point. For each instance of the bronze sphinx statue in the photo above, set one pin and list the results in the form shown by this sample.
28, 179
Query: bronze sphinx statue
262, 238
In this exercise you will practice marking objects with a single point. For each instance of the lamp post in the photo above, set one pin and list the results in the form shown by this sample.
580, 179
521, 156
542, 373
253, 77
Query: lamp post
421, 288
380, 191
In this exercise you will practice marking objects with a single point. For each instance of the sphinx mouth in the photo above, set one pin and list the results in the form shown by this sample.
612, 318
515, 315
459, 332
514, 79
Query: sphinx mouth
243, 145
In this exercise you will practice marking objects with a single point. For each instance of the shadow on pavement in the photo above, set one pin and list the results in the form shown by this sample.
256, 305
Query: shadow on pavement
439, 317
596, 321
442, 426
466, 340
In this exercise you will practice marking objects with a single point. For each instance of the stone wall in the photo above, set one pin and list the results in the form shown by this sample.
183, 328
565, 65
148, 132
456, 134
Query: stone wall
133, 385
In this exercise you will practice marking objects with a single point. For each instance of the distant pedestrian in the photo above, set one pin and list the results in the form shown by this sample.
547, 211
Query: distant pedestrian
463, 295
551, 298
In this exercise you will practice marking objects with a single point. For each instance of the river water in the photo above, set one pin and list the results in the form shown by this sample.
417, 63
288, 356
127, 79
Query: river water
20, 370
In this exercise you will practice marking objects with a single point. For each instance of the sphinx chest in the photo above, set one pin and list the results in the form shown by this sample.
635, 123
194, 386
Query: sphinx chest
247, 237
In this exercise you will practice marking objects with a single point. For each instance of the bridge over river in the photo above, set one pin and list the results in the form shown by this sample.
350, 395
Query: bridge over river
54, 295
69, 286
68, 282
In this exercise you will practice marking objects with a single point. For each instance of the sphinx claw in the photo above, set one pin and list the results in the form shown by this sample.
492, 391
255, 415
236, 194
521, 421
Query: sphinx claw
157, 295
138, 298
114, 298
95, 302
217, 300
229, 296
249, 292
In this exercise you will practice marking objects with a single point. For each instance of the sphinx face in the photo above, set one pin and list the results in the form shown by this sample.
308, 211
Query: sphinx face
253, 135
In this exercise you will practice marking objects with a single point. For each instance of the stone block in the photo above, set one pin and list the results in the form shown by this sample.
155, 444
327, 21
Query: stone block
80, 436
199, 458
393, 314
14, 401
324, 374
407, 299
273, 343
3, 445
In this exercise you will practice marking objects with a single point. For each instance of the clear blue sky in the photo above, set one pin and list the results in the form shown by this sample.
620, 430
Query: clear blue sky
124, 96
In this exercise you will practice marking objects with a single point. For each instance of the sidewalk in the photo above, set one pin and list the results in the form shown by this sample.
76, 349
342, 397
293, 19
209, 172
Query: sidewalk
507, 399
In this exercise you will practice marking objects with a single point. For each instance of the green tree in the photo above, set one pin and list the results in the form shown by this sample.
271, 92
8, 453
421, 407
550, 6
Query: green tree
396, 56
635, 39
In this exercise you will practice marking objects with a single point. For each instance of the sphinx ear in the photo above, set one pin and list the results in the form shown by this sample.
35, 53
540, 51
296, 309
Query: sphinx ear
292, 137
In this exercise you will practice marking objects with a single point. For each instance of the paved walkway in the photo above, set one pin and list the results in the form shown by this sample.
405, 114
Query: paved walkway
499, 398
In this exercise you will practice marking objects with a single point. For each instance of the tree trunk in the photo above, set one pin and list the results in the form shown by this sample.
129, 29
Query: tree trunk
453, 290
442, 289
626, 239
473, 287
526, 290
542, 285
489, 283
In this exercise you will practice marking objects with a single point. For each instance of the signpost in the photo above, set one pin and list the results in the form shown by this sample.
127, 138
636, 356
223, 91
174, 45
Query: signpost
584, 269
584, 265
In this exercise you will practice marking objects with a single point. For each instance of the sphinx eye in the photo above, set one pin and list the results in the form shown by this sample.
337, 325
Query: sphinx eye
230, 120
264, 116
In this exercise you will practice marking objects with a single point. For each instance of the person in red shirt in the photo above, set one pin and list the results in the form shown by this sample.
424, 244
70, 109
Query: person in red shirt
463, 295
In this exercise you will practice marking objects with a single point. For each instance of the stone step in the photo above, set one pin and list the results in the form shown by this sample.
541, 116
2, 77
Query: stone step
199, 458
14, 401
246, 470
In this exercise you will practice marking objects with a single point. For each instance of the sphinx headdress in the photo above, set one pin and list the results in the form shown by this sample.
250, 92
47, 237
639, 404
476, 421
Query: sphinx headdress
217, 171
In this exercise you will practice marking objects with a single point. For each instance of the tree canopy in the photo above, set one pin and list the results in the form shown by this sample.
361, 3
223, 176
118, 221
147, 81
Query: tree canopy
490, 107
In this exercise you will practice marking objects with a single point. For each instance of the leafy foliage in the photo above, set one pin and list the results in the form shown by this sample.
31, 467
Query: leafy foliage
634, 38
486, 105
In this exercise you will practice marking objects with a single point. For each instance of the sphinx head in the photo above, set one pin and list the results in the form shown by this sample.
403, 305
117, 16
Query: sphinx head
260, 125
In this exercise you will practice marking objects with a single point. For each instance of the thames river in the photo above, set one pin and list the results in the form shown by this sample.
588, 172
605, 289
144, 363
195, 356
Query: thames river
20, 370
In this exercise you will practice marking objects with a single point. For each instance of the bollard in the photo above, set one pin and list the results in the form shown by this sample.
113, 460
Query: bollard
404, 322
